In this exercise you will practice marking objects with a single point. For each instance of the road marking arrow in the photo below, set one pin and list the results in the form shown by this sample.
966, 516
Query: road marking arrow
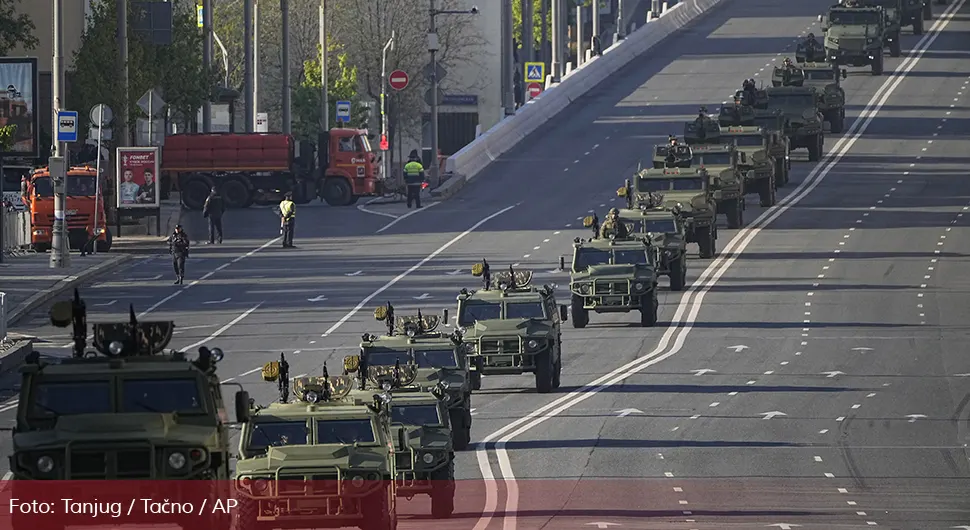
626, 412
224, 300
317, 299
738, 348
358, 273
772, 414
603, 525
914, 417
455, 272
703, 371
106, 304
833, 373
785, 526
861, 349
424, 296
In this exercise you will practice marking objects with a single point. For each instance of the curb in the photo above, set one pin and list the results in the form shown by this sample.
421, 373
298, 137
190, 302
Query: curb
66, 284
450, 188
12, 359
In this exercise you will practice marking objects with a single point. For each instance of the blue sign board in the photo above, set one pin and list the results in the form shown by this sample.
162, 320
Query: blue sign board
464, 100
67, 122
343, 111
535, 72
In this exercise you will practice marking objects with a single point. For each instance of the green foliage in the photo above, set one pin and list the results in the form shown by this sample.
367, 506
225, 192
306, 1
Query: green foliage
16, 29
536, 22
341, 85
176, 69
7, 136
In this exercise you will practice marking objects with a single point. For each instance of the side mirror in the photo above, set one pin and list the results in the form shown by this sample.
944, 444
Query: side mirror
242, 406
563, 313
845, 73
61, 313
562, 263
820, 18
444, 316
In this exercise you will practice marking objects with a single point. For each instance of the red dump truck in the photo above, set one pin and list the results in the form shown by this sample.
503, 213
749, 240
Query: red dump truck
258, 168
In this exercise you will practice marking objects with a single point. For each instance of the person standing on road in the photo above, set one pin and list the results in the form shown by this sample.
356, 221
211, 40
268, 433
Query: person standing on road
178, 245
287, 219
213, 210
414, 178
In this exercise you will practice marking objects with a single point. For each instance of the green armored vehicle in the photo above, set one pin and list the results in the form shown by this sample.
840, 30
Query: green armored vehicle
755, 161
855, 36
325, 459
809, 50
438, 358
129, 410
686, 192
775, 124
721, 162
513, 327
666, 232
895, 13
804, 120
908, 12
827, 80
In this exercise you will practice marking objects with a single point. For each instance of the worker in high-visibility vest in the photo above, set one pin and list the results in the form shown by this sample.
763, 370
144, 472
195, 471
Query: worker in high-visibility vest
287, 219
414, 178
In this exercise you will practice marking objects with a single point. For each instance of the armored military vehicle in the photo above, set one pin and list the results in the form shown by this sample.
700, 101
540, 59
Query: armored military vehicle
855, 36
325, 459
514, 327
666, 232
775, 124
754, 161
895, 14
809, 50
612, 274
437, 356
827, 80
804, 125
787, 76
686, 192
127, 410
721, 161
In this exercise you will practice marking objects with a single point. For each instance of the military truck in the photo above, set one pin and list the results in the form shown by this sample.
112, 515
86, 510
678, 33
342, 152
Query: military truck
804, 120
774, 123
721, 162
895, 13
437, 356
324, 459
512, 326
687, 193
908, 12
424, 455
127, 410
666, 232
855, 36
754, 161
827, 80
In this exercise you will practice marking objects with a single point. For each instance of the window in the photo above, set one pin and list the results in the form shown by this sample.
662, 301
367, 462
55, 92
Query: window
791, 101
160, 395
713, 159
688, 184
345, 432
516, 310
347, 145
435, 358
749, 140
820, 75
660, 226
630, 257
650, 184
585, 257
416, 415
854, 18
77, 186
68, 398
475, 310
277, 434
385, 357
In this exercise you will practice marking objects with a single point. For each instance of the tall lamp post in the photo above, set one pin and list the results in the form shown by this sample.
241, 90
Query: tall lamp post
433, 49
387, 47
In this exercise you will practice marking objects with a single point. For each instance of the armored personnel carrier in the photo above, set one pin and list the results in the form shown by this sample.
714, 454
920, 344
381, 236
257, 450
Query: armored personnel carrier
666, 232
513, 327
755, 161
324, 459
787, 76
721, 162
896, 16
804, 119
612, 274
855, 36
438, 358
809, 50
827, 80
686, 192
127, 410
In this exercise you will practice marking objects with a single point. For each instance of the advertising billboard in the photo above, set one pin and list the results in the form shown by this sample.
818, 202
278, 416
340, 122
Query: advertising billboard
137, 177
18, 105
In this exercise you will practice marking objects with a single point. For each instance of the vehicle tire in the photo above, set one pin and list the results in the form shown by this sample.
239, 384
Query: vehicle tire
678, 273
195, 192
476, 379
648, 315
304, 191
557, 370
733, 212
236, 193
460, 430
767, 192
918, 26
838, 122
705, 245
877, 65
544, 372
336, 192
377, 515
815, 149
244, 516
105, 246
443, 491
896, 47
580, 315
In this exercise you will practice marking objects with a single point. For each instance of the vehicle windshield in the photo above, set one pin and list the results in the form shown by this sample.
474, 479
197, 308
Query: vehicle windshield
416, 414
423, 358
658, 226
76, 186
820, 75
586, 257
65, 398
160, 395
475, 310
749, 140
516, 310
854, 18
630, 257
345, 432
791, 101
713, 159
277, 434
674, 184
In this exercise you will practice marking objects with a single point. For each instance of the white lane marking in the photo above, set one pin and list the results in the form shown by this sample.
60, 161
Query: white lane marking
222, 330
343, 320
405, 216
10, 406
707, 280
363, 208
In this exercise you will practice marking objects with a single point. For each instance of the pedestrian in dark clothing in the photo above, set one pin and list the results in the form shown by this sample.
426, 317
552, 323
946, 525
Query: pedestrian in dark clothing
178, 245
213, 210
414, 178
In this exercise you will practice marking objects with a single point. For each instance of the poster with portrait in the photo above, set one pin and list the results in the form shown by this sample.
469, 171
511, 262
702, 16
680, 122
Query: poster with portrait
137, 177
18, 105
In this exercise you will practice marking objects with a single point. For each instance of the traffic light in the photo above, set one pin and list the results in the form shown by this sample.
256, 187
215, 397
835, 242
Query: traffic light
384, 145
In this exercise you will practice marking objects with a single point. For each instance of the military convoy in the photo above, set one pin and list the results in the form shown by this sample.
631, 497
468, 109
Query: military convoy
803, 118
666, 232
722, 163
855, 36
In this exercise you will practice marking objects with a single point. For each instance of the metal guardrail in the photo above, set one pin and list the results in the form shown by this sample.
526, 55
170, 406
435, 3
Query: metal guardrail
15, 239
3, 317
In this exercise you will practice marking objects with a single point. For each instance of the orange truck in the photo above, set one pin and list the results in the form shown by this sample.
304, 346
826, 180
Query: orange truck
81, 185
258, 168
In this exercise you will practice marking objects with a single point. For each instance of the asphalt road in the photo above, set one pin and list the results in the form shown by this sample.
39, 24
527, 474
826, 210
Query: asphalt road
827, 336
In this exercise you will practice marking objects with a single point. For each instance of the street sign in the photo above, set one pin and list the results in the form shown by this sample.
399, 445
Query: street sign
152, 103
343, 111
384, 144
100, 112
440, 71
427, 96
106, 134
262, 122
535, 72
399, 80
67, 126
534, 90
199, 19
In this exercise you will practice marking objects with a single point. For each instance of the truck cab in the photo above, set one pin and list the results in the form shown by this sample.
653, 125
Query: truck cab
348, 166
82, 201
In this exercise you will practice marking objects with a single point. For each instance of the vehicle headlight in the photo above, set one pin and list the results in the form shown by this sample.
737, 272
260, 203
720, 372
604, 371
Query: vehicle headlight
584, 288
45, 464
532, 344
115, 347
176, 460
311, 397
261, 485
428, 458
639, 286
357, 481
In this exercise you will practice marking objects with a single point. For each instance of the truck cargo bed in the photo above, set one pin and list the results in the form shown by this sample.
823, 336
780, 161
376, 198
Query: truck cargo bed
227, 152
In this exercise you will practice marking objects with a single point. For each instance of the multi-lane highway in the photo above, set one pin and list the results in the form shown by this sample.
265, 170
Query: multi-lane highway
814, 374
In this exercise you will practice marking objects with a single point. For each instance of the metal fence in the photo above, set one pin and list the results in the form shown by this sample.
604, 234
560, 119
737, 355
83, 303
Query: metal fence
15, 239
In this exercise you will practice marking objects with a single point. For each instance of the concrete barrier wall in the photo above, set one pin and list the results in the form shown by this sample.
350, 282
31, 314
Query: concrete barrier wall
476, 156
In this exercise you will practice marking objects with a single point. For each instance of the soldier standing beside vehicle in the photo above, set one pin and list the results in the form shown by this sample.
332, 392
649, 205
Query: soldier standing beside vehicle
288, 219
178, 245
212, 210
414, 178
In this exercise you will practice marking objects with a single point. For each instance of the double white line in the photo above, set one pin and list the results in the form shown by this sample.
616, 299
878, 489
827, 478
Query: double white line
690, 305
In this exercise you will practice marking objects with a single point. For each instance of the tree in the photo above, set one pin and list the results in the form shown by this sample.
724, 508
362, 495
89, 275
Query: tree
7, 137
341, 85
536, 22
16, 29
175, 69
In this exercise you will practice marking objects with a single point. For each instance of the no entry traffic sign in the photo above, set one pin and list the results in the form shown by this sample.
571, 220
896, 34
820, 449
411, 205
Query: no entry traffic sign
534, 90
399, 79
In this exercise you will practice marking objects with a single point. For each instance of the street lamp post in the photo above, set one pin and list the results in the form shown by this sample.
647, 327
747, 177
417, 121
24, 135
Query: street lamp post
433, 49
387, 47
